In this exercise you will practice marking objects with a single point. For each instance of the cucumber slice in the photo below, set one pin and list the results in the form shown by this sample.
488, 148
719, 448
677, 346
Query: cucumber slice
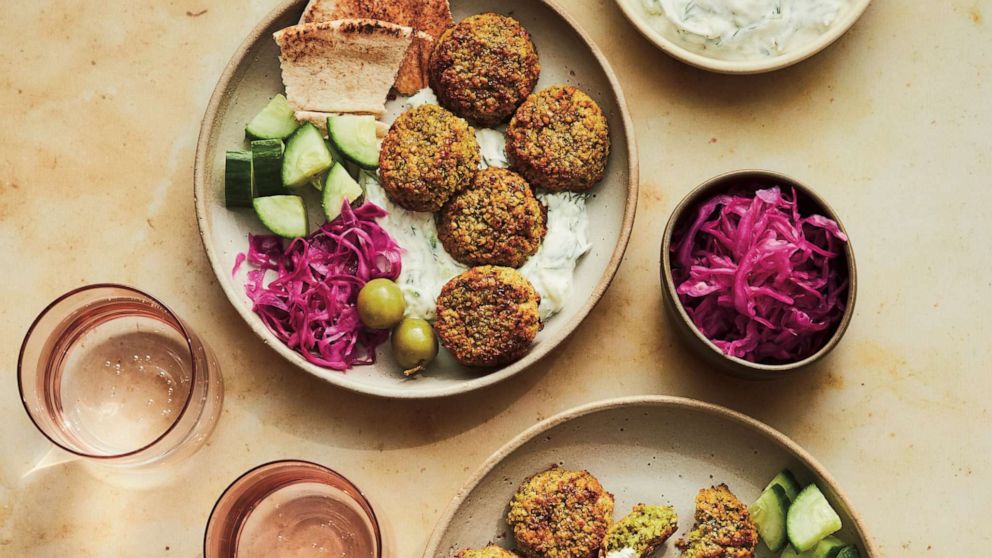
810, 519
276, 121
285, 216
338, 187
353, 169
768, 513
306, 156
789, 552
849, 551
237, 179
354, 137
266, 159
787, 481
826, 548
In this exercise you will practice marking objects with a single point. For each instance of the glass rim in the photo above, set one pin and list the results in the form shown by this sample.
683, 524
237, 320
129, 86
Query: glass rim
361, 499
194, 371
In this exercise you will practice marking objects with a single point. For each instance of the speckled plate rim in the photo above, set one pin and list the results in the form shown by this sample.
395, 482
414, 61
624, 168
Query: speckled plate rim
671, 402
342, 380
744, 67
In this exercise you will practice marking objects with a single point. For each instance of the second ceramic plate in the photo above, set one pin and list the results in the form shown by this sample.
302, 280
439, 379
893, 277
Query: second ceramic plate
655, 450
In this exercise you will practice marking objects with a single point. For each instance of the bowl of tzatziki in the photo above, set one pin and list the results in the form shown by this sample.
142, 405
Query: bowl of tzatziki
742, 36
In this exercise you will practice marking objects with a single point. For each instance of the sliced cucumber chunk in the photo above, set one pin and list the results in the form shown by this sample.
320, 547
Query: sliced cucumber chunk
353, 169
849, 551
787, 481
266, 158
354, 137
306, 156
810, 519
285, 216
338, 187
826, 548
789, 552
237, 179
276, 121
769, 512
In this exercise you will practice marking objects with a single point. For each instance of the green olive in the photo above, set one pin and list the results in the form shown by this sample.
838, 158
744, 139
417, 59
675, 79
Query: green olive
381, 304
414, 345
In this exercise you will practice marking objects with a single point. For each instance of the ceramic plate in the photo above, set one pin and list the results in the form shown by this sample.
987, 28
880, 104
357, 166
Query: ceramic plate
567, 56
636, 13
655, 450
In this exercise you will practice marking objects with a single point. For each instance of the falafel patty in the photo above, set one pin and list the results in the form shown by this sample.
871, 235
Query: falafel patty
723, 527
560, 514
559, 139
491, 551
487, 316
484, 67
644, 529
428, 155
495, 221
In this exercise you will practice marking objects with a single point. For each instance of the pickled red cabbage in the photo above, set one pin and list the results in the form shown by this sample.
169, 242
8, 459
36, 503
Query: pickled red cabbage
310, 304
760, 281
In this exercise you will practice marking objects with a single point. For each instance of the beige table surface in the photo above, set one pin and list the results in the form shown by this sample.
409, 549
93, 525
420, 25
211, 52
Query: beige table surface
101, 103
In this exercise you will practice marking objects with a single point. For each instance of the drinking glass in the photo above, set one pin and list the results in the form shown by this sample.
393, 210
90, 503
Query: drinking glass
111, 375
292, 508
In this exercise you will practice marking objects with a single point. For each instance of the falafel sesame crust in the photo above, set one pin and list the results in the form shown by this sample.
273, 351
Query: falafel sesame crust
560, 514
484, 67
723, 527
488, 316
559, 139
491, 551
428, 155
644, 529
496, 221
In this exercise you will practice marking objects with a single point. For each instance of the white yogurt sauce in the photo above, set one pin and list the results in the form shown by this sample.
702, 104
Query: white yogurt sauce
744, 29
427, 266
626, 552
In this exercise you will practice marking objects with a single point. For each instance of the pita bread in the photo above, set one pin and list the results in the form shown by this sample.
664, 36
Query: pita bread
412, 76
339, 66
319, 119
430, 17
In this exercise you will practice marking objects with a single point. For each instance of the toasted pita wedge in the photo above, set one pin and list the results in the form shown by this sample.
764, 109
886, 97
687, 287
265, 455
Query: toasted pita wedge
412, 76
430, 17
319, 119
344, 65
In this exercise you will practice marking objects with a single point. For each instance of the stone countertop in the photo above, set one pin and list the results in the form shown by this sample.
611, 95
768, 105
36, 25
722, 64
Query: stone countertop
102, 104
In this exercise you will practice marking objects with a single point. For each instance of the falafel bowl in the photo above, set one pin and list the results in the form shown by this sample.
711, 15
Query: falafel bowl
484, 213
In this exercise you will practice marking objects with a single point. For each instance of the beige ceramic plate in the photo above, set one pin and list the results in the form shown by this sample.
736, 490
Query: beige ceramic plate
567, 56
635, 12
656, 450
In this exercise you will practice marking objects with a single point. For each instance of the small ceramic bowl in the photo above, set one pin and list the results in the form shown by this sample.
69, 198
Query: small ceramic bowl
809, 203
634, 10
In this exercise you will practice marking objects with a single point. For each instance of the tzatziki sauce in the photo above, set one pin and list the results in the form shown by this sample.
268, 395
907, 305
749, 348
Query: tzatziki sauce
744, 29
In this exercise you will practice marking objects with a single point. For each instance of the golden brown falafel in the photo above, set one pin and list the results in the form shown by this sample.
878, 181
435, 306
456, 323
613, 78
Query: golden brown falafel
495, 221
428, 155
559, 139
484, 67
488, 316
491, 551
644, 529
723, 527
560, 514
